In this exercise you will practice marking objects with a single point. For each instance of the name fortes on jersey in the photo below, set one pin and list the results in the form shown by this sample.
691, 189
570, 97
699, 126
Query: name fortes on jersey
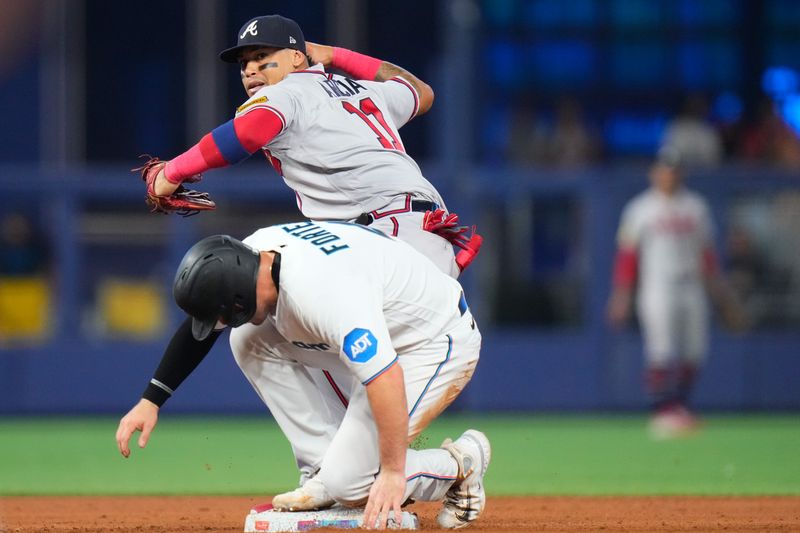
342, 88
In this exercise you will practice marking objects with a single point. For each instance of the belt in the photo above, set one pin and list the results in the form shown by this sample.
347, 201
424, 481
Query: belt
462, 304
417, 206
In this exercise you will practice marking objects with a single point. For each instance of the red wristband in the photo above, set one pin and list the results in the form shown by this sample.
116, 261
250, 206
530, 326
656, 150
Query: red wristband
357, 65
710, 263
626, 267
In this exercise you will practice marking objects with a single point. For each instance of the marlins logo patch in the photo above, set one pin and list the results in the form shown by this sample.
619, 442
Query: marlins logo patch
251, 103
360, 345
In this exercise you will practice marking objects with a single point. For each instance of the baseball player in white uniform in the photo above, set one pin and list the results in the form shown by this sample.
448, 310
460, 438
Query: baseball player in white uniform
665, 242
334, 139
348, 299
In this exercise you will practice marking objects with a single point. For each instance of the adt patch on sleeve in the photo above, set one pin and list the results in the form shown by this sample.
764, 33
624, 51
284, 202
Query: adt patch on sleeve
360, 345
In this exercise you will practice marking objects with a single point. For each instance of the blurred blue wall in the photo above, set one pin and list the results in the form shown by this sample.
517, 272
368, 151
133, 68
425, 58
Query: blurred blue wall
577, 366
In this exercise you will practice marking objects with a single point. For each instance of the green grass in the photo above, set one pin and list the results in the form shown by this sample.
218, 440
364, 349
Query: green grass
531, 455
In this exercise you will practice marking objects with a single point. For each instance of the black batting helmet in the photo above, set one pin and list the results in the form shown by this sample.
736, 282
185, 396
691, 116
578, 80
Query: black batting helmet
216, 281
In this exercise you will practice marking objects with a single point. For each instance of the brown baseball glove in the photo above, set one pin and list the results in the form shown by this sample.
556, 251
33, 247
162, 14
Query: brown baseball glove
184, 202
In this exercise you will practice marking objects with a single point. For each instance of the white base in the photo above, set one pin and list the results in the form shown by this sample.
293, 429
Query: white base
336, 517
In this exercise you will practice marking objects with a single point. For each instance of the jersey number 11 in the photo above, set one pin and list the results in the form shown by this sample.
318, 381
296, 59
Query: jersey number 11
366, 108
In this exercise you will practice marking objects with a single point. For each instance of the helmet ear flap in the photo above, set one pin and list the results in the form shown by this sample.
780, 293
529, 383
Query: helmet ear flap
239, 312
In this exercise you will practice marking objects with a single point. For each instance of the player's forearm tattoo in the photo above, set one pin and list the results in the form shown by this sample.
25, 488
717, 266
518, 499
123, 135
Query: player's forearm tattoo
388, 71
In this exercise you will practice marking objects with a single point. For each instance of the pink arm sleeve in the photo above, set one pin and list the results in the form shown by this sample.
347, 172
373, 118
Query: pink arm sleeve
357, 65
226, 144
201, 157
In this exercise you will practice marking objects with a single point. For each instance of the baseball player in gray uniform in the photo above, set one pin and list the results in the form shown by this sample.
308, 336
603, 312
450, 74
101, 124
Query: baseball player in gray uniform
334, 139
349, 299
665, 242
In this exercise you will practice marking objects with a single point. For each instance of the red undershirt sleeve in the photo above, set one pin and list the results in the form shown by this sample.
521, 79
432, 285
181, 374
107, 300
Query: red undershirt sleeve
625, 267
710, 263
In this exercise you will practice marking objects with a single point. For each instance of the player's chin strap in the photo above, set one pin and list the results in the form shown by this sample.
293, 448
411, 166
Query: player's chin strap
446, 226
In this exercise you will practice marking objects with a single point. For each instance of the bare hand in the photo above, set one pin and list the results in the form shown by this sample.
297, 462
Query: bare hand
143, 417
735, 318
319, 53
728, 305
619, 307
162, 186
386, 494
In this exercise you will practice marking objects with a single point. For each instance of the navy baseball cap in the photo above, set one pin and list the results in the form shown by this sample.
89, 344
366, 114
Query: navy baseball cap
269, 30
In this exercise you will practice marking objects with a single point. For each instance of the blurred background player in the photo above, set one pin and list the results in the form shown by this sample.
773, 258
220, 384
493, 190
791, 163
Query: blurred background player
665, 242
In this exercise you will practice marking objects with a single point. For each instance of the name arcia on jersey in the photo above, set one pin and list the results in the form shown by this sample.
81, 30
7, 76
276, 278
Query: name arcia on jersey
342, 88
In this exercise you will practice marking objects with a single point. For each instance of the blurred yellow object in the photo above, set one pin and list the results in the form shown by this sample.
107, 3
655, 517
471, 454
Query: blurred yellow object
24, 307
131, 308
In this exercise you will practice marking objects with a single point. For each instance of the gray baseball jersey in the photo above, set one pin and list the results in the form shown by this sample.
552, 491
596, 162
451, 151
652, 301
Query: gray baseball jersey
339, 148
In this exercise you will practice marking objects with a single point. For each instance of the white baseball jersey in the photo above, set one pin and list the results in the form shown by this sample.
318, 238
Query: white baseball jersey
339, 148
353, 301
671, 235
356, 292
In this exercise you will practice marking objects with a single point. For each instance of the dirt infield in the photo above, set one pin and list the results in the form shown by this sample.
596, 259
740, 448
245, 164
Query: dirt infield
226, 514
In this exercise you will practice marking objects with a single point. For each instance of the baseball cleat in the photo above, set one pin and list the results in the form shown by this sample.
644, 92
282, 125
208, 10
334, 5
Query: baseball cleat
672, 423
312, 496
466, 499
